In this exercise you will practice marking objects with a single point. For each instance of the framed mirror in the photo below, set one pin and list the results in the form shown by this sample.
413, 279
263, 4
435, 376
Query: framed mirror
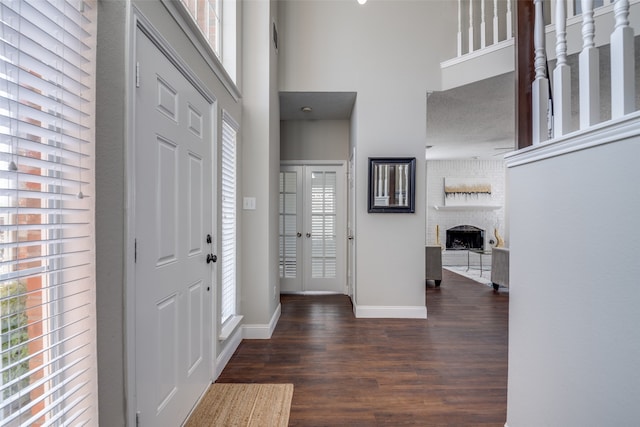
392, 184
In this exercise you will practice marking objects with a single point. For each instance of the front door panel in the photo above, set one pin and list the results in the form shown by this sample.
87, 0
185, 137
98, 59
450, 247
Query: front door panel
173, 211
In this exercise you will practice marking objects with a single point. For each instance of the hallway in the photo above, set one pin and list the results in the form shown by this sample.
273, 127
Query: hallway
450, 369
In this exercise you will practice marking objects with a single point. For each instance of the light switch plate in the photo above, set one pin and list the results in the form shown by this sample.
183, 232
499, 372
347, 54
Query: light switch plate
249, 203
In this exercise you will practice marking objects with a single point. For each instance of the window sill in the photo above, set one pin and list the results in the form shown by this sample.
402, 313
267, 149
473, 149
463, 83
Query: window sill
229, 327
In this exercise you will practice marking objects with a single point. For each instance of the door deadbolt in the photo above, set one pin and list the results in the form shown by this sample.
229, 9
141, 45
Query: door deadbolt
209, 239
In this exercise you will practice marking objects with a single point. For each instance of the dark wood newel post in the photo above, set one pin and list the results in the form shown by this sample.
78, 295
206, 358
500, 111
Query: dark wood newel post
524, 52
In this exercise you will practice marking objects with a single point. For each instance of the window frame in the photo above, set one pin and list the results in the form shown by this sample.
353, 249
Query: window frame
228, 315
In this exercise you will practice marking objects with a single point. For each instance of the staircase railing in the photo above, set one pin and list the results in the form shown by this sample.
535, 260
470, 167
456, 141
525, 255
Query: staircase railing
551, 106
474, 31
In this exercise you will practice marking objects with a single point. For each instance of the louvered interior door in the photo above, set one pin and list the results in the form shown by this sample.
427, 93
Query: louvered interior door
324, 231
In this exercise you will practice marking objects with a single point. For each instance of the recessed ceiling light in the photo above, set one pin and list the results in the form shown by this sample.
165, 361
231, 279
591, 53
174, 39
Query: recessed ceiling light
362, 1
306, 109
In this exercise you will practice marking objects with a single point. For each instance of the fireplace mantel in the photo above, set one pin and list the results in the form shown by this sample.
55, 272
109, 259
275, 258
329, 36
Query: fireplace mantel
467, 208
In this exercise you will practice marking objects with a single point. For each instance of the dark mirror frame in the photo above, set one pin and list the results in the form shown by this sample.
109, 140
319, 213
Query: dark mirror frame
392, 184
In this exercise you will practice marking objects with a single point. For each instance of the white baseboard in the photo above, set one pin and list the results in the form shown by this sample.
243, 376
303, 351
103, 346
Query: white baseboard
261, 331
390, 312
233, 341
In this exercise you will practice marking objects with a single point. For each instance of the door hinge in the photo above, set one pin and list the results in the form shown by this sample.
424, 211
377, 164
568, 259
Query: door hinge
135, 250
137, 74
138, 418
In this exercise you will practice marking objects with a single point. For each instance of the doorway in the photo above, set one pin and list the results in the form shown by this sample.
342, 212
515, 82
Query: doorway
173, 227
313, 228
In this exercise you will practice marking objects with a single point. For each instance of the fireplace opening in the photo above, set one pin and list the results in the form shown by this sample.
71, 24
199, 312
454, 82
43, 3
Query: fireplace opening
465, 237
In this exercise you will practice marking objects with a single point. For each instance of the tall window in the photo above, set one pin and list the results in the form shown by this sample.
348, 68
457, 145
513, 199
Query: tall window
229, 215
47, 280
206, 13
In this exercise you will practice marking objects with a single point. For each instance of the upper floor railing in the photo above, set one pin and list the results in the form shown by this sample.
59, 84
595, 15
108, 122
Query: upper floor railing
482, 23
552, 103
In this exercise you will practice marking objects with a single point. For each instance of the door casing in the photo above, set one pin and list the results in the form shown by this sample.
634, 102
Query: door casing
303, 283
141, 23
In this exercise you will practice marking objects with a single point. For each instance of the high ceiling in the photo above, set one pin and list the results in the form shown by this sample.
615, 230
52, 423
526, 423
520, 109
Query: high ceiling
471, 121
324, 105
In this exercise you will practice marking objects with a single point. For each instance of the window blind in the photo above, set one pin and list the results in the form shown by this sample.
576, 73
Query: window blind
47, 280
229, 223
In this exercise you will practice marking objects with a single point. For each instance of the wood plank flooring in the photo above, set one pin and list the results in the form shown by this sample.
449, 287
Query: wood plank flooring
448, 370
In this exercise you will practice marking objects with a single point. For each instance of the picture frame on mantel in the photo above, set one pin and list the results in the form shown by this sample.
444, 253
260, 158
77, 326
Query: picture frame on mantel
392, 184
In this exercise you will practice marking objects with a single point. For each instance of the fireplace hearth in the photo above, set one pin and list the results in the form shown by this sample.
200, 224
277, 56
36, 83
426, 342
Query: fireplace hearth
465, 237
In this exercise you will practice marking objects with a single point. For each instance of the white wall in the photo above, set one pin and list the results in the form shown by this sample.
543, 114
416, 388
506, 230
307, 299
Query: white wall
493, 171
389, 52
110, 211
574, 298
260, 161
314, 140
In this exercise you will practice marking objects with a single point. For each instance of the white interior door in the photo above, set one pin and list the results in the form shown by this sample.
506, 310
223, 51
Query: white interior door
173, 211
312, 229
351, 227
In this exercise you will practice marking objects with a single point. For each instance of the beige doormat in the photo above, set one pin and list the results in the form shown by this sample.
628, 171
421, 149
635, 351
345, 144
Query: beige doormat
243, 405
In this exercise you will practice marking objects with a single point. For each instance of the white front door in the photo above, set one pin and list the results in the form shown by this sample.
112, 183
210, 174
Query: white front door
173, 211
312, 229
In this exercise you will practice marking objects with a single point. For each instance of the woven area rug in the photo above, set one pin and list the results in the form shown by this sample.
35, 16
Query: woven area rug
240, 405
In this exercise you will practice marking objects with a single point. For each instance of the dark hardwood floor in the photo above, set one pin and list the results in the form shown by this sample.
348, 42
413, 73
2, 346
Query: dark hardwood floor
448, 370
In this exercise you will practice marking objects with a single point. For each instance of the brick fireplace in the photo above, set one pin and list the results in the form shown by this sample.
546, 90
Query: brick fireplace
464, 237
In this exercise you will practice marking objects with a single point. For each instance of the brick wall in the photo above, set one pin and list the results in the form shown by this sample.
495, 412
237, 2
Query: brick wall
487, 219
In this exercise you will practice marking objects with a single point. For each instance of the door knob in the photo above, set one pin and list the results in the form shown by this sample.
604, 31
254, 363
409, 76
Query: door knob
308, 234
299, 234
211, 258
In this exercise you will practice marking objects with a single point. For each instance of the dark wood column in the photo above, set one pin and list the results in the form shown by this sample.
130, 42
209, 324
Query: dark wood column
524, 26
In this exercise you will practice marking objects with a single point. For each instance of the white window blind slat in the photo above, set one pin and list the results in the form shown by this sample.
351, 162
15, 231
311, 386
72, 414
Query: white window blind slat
40, 29
29, 130
228, 236
47, 257
26, 194
47, 118
36, 384
27, 80
39, 164
33, 97
44, 63
30, 178
65, 151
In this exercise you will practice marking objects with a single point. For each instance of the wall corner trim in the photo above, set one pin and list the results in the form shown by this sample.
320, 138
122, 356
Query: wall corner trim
390, 312
233, 341
262, 331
